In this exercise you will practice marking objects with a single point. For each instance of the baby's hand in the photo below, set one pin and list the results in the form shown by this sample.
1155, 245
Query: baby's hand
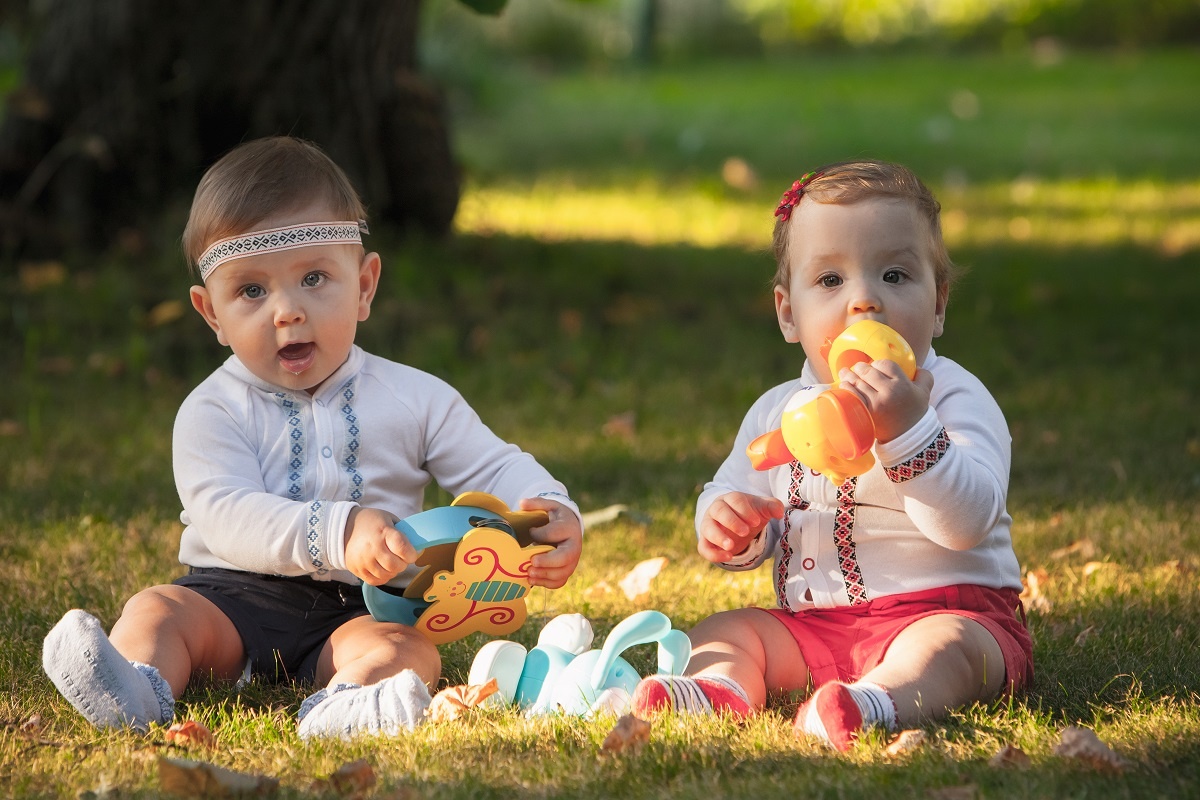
553, 568
732, 522
894, 402
375, 550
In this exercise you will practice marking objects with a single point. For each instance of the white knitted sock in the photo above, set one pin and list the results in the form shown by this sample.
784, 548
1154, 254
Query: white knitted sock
108, 689
394, 704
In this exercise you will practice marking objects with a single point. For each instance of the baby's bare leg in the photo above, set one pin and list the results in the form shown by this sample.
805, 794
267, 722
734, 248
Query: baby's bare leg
939, 663
132, 677
752, 648
737, 658
181, 633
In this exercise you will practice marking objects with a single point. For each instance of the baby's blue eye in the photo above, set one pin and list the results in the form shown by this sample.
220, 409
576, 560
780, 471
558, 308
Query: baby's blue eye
253, 291
313, 279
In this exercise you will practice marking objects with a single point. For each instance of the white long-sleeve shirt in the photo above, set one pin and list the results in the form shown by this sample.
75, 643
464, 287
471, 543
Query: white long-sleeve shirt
268, 476
930, 512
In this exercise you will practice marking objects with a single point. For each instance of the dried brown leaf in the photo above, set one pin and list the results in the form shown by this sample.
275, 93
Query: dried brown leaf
905, 742
352, 780
621, 426
188, 778
1084, 635
637, 582
33, 725
454, 701
630, 733
1009, 756
1032, 597
1082, 744
1083, 547
190, 733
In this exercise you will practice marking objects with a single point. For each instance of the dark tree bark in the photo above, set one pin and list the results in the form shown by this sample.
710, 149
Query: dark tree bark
126, 102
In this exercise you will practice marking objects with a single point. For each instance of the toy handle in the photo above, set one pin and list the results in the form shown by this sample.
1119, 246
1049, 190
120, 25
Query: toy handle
641, 628
674, 653
418, 541
847, 423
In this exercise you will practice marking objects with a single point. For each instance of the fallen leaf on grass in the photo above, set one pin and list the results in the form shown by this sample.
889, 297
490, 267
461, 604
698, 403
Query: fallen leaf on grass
454, 701
603, 515
200, 779
1083, 547
629, 733
352, 780
598, 590
906, 742
1082, 744
1084, 635
1031, 595
189, 733
33, 725
621, 426
1009, 756
637, 582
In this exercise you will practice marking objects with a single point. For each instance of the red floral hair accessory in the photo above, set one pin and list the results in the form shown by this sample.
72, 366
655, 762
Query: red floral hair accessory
791, 198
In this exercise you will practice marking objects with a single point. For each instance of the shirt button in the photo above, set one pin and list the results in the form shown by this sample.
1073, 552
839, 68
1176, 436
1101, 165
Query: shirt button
808, 563
327, 451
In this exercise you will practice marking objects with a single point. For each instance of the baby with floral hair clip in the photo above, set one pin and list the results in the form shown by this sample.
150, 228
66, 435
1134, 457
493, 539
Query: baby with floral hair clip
897, 590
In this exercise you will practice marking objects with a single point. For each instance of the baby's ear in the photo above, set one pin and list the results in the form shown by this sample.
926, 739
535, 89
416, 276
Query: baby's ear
202, 302
787, 320
368, 283
939, 310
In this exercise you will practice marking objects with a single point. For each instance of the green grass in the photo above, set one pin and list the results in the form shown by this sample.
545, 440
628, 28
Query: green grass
556, 308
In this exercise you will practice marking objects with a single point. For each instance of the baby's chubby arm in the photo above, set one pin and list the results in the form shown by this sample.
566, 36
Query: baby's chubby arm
375, 550
564, 531
732, 522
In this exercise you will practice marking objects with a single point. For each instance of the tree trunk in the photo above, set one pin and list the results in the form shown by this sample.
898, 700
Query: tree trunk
126, 102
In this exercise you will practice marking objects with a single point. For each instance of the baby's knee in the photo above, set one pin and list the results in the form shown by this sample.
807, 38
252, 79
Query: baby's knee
726, 626
409, 647
160, 602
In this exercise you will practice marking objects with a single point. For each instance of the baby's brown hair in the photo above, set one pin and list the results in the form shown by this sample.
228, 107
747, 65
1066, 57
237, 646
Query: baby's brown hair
258, 179
849, 182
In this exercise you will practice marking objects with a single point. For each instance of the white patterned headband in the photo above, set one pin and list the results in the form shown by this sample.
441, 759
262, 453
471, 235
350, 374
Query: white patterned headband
272, 240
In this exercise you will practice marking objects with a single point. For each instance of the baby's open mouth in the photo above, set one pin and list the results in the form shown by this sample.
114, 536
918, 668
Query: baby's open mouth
296, 358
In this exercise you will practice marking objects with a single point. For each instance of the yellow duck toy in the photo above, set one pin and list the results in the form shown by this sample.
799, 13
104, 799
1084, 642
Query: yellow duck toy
832, 432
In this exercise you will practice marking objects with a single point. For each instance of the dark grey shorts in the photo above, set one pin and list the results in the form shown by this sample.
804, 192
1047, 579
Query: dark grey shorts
284, 622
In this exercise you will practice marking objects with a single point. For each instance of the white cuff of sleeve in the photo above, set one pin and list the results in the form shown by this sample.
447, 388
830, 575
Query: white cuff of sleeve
752, 552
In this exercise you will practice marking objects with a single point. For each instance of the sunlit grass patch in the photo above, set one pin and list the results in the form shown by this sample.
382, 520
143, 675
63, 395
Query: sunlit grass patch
1094, 212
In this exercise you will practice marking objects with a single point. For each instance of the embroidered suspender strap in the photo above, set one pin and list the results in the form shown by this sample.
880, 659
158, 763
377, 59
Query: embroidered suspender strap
843, 536
795, 502
271, 240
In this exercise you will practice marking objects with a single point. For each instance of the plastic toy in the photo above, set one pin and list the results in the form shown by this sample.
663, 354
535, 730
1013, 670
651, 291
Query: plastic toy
562, 674
476, 554
828, 428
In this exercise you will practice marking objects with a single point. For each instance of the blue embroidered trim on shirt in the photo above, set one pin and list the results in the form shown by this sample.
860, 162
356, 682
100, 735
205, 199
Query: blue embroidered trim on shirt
314, 536
296, 434
350, 463
922, 462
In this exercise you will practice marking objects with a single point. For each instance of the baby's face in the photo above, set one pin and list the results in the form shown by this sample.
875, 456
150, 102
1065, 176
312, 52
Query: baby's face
868, 260
290, 316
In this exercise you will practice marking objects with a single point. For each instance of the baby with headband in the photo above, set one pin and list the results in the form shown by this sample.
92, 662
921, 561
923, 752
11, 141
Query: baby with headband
897, 590
293, 460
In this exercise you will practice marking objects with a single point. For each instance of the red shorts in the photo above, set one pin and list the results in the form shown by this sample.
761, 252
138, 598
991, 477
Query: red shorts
844, 644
